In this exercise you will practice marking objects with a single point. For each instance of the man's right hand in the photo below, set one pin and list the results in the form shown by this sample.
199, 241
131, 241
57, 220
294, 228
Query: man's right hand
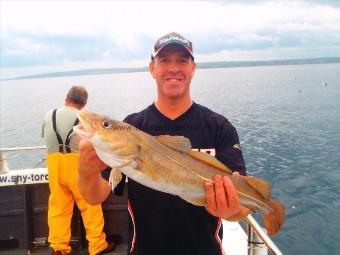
89, 162
92, 186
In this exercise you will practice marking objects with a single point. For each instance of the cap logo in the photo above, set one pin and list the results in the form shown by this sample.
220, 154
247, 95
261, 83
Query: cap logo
174, 38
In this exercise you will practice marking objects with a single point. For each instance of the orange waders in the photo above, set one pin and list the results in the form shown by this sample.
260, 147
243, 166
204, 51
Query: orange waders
63, 174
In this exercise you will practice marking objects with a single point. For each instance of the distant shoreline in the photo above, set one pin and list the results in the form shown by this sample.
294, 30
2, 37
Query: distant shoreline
204, 65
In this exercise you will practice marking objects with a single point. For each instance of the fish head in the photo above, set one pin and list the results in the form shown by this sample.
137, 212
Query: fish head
106, 134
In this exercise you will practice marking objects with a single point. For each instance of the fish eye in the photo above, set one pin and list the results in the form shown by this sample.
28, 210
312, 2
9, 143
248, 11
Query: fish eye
106, 124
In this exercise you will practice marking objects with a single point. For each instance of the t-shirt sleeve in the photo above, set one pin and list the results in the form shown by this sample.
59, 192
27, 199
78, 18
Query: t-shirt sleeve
228, 149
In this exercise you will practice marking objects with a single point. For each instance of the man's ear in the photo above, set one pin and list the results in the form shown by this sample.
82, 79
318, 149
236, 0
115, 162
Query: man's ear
152, 68
193, 69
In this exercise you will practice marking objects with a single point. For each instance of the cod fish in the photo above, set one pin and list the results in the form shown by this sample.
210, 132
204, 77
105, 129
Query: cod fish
167, 163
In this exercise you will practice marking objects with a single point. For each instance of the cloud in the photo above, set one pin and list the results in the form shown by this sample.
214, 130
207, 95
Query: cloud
38, 33
28, 49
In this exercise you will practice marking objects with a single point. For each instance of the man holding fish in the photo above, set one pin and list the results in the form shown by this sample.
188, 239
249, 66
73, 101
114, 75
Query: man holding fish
197, 189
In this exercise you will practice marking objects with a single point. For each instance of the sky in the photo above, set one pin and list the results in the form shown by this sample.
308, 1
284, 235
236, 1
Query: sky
52, 36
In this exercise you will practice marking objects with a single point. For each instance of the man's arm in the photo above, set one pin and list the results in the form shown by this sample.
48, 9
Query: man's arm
222, 200
92, 186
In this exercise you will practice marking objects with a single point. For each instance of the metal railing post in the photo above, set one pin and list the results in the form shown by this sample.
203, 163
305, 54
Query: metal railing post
3, 164
251, 238
254, 227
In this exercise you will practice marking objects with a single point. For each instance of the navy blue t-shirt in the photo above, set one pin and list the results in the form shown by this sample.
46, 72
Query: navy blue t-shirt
165, 224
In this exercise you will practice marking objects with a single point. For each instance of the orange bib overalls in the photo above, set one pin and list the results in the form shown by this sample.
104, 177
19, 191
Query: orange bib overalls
63, 174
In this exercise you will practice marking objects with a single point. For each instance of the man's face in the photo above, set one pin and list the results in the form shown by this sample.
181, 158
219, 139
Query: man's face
173, 70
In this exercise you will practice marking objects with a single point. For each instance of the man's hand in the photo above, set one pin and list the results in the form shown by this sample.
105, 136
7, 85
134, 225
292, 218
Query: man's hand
222, 199
91, 185
89, 162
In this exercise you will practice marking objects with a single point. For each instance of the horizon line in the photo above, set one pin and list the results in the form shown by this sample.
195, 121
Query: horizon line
200, 65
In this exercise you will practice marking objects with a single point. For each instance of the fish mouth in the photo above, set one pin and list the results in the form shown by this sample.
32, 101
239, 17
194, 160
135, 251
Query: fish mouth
82, 132
84, 128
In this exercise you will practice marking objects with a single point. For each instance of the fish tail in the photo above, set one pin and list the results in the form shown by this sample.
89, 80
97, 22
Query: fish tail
274, 220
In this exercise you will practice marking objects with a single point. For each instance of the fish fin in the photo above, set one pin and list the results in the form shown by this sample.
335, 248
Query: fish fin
199, 201
115, 177
260, 185
178, 143
210, 160
273, 221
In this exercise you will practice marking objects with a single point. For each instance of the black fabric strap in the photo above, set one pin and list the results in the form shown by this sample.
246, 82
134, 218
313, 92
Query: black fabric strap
68, 138
60, 141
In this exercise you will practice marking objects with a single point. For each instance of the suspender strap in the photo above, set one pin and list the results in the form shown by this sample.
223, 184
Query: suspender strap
60, 141
68, 138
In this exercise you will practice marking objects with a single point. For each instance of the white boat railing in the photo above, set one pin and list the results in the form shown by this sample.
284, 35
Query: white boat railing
255, 234
3, 163
257, 237
23, 148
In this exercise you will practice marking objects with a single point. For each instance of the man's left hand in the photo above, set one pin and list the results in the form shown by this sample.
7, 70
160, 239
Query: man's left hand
222, 199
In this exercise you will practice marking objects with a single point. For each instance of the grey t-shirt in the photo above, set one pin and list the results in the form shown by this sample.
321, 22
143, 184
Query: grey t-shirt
65, 118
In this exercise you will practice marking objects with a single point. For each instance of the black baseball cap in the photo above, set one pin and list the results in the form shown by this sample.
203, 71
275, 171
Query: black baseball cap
172, 38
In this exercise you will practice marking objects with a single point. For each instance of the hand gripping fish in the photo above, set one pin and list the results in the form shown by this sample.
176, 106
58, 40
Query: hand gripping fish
167, 163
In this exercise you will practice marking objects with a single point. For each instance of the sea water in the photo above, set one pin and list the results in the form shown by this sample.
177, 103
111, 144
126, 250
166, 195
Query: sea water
288, 123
